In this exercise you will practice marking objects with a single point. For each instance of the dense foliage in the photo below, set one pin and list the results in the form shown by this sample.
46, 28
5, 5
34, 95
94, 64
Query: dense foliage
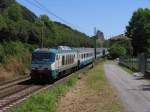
106, 44
139, 31
17, 23
120, 46
117, 50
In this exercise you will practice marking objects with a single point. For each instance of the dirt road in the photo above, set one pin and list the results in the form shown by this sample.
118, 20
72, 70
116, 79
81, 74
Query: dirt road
134, 92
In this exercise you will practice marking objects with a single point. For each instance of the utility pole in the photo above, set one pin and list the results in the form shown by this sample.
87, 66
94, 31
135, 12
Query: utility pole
42, 37
95, 38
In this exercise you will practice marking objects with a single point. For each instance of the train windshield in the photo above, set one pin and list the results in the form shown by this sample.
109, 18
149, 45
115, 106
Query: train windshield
43, 57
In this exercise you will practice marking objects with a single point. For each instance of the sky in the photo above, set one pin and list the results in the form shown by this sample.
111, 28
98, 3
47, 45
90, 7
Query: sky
108, 16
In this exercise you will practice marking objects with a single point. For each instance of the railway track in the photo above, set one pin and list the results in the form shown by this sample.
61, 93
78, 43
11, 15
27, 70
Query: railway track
15, 94
8, 84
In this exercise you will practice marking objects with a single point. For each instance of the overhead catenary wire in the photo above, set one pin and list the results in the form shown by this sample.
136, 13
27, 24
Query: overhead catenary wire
37, 4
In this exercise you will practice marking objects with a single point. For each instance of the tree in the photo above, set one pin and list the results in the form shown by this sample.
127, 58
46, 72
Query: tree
139, 30
14, 12
17, 23
24, 28
3, 24
117, 50
3, 28
5, 3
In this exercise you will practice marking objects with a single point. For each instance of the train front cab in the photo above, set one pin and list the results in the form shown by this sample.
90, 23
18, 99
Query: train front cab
41, 65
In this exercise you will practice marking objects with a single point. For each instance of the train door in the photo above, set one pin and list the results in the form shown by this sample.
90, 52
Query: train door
57, 62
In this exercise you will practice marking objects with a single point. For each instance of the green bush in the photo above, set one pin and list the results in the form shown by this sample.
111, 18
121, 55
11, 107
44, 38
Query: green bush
117, 50
16, 54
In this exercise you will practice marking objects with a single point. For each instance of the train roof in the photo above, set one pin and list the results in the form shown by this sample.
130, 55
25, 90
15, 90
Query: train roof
60, 49
66, 49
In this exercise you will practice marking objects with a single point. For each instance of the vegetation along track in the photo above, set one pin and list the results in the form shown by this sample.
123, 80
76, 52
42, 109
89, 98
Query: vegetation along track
15, 94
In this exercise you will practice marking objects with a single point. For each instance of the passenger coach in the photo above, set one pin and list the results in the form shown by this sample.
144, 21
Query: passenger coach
49, 64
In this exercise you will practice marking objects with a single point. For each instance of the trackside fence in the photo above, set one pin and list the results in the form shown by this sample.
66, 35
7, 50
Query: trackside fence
148, 64
130, 62
141, 63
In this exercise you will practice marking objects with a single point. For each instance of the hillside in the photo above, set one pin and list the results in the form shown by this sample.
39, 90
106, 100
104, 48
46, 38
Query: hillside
19, 23
21, 31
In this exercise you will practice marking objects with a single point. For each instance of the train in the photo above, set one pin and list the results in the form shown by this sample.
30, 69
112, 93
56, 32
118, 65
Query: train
52, 63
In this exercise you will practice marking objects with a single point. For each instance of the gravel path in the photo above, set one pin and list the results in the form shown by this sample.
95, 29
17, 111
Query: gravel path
134, 92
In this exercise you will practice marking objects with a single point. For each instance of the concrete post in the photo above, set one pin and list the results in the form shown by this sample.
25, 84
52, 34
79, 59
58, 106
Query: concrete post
142, 63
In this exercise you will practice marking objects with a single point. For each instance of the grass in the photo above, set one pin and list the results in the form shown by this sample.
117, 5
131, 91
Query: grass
108, 100
46, 101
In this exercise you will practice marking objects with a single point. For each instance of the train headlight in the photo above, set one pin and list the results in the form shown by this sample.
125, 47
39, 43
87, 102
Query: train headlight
34, 68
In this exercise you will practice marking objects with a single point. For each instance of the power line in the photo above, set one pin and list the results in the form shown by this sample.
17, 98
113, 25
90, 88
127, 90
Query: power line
41, 6
51, 12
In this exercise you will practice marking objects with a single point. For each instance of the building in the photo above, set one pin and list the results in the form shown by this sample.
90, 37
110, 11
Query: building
101, 38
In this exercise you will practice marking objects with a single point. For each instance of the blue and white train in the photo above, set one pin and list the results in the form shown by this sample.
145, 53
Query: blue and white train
49, 64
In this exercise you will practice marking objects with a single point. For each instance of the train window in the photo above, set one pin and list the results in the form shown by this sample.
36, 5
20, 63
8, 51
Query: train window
56, 57
66, 59
69, 59
72, 59
73, 56
63, 60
